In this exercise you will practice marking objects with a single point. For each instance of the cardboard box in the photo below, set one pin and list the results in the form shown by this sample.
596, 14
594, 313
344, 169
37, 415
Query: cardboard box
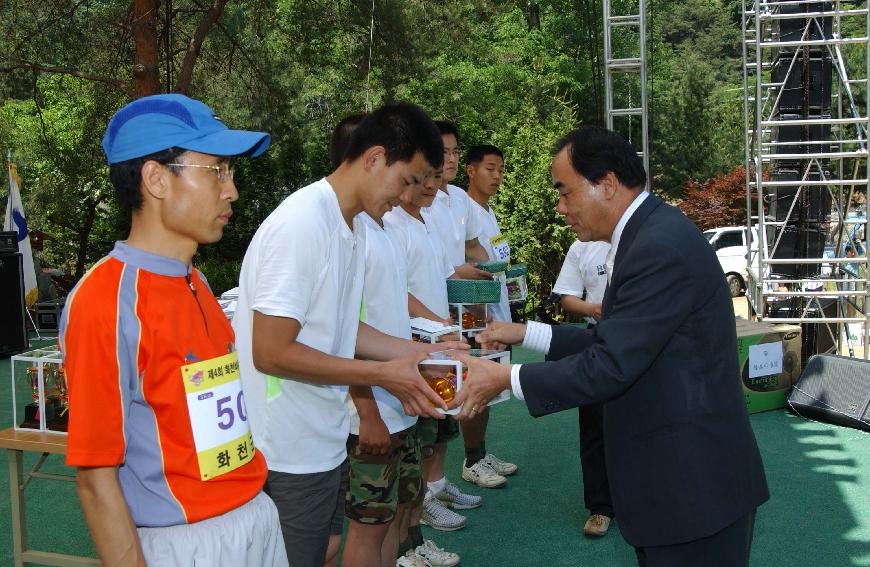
769, 356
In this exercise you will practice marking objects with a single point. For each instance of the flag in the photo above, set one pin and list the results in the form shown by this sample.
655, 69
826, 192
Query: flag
15, 221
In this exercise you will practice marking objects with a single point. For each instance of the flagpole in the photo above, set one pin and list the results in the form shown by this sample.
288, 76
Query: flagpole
26, 309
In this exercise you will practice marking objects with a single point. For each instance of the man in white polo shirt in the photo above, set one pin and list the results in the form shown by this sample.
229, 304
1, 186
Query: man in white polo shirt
581, 283
298, 326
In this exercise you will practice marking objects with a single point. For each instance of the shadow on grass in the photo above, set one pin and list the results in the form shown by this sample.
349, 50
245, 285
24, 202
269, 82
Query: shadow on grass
818, 477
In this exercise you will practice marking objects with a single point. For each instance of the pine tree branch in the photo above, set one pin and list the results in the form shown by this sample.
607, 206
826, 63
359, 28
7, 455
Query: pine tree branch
13, 64
193, 47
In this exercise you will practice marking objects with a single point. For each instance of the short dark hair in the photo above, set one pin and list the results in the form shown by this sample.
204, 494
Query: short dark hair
448, 127
341, 136
476, 154
403, 129
595, 151
126, 176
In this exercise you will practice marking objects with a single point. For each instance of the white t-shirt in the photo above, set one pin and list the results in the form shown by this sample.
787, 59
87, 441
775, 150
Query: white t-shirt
584, 270
455, 221
428, 267
385, 297
497, 248
303, 263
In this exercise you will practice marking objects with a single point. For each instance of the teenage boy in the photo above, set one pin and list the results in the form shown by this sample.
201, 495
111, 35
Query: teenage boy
485, 167
428, 270
452, 215
581, 283
298, 327
385, 475
167, 471
455, 217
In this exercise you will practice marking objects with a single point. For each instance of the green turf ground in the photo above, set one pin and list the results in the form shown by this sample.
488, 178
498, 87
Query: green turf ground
819, 513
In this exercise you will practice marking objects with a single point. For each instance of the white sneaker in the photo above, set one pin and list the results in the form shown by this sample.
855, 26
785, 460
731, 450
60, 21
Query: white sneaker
503, 468
436, 516
436, 556
411, 559
482, 475
454, 498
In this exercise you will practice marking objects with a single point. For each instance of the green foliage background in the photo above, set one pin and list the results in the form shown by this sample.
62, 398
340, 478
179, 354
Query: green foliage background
515, 73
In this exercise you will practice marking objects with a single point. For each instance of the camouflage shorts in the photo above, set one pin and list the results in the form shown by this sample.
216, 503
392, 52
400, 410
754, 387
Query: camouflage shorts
427, 431
378, 483
432, 431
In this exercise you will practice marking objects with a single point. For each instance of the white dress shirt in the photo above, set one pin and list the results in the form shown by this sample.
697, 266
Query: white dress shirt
539, 335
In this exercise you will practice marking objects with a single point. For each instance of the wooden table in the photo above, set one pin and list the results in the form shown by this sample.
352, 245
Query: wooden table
16, 443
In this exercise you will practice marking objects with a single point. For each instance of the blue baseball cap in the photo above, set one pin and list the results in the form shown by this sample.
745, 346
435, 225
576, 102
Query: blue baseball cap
155, 123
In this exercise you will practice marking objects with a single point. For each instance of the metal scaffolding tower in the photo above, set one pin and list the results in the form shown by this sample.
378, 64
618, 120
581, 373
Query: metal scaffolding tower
626, 105
806, 80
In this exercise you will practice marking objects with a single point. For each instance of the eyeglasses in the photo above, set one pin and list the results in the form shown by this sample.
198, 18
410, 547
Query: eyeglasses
224, 170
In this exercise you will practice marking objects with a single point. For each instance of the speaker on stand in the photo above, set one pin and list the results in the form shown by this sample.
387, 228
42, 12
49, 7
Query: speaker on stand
13, 333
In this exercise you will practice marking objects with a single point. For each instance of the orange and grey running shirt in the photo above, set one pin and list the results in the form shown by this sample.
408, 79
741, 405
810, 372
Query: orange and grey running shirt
154, 389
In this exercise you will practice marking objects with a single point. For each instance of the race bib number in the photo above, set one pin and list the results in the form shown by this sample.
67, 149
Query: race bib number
218, 417
500, 247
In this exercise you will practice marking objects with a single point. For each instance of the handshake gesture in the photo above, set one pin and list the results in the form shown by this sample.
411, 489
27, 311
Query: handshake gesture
486, 379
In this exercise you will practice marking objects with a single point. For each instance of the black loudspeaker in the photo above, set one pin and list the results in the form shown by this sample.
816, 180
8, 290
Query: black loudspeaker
818, 199
8, 241
783, 132
818, 82
791, 246
48, 314
834, 389
795, 29
13, 333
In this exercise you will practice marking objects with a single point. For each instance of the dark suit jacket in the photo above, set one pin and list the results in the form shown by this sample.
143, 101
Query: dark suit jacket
681, 456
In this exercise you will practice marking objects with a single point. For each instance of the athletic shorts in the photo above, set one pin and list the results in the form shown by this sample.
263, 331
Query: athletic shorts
249, 536
311, 509
378, 483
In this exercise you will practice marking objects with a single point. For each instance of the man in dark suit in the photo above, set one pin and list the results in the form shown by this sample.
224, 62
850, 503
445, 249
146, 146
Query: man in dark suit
685, 473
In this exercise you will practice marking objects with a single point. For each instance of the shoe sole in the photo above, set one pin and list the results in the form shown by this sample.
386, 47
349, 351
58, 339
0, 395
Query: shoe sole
444, 564
594, 534
459, 506
442, 528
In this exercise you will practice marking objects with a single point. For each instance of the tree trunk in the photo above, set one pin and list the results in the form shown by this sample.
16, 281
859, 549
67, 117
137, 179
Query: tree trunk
146, 40
84, 235
533, 15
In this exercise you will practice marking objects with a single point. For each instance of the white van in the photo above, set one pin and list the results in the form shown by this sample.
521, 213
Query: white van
731, 246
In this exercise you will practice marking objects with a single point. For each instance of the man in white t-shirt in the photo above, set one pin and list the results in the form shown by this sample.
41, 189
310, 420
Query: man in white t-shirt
385, 472
428, 270
582, 279
484, 165
581, 283
298, 329
458, 224
453, 216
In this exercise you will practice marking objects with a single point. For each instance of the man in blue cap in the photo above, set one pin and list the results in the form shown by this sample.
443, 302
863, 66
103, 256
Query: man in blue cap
167, 470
